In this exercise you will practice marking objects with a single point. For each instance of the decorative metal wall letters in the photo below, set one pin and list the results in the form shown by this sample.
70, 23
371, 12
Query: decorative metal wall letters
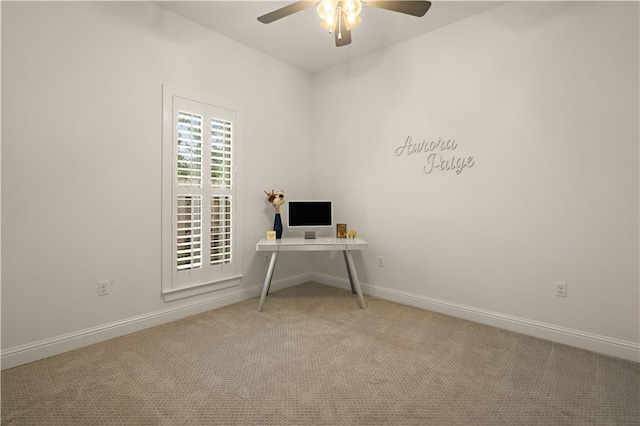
435, 151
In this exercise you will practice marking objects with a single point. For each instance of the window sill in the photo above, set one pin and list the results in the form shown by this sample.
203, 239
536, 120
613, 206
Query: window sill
194, 290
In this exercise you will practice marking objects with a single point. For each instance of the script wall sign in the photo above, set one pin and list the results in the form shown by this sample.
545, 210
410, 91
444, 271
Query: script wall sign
439, 155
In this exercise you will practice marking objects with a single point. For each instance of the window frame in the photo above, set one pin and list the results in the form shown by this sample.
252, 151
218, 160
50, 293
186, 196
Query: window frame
190, 282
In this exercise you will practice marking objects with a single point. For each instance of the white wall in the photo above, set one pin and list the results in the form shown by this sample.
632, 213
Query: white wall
544, 96
82, 110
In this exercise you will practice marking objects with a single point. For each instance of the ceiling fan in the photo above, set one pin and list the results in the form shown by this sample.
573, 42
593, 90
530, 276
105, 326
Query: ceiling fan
340, 16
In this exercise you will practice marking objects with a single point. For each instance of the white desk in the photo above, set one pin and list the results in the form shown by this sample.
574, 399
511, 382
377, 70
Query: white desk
346, 245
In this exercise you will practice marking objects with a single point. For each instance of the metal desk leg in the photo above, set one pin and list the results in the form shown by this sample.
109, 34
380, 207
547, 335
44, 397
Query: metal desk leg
267, 279
346, 261
353, 276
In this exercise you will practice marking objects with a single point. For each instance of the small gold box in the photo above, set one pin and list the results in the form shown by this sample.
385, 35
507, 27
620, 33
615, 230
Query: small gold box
271, 235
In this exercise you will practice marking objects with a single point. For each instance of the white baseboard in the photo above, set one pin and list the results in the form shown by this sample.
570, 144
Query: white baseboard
580, 339
24, 354
30, 352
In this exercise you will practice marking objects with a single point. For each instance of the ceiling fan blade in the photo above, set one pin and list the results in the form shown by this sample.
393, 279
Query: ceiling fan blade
410, 7
343, 34
286, 11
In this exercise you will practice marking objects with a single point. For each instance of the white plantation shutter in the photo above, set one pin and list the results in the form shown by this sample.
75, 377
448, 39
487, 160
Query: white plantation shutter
189, 232
221, 180
221, 134
202, 241
189, 148
221, 229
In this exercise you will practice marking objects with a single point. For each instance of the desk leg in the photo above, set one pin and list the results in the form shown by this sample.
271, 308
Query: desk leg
346, 261
267, 279
353, 277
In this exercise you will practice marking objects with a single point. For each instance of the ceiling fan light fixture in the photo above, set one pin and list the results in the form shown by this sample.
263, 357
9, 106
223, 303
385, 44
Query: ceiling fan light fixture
340, 16
330, 11
327, 10
351, 11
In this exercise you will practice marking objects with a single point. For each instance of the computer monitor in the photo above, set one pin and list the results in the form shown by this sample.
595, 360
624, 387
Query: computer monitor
308, 215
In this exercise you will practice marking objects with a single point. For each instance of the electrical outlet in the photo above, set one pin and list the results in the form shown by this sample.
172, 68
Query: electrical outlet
561, 289
103, 288
381, 261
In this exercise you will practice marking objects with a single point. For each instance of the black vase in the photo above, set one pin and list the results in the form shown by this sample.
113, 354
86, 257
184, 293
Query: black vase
277, 226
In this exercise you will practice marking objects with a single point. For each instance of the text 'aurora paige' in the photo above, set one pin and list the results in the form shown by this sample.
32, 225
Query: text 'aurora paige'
436, 158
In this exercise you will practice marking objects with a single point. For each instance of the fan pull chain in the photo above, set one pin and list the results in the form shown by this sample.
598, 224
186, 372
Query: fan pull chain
339, 22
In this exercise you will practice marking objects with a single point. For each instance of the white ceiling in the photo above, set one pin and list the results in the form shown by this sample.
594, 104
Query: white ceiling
300, 41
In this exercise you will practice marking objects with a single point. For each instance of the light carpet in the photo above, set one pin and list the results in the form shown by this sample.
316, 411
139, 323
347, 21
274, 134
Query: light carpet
314, 357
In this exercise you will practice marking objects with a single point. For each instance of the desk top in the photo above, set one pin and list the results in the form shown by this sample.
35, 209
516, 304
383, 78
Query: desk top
318, 244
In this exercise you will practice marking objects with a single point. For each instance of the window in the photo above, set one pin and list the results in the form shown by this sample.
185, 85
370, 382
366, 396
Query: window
199, 239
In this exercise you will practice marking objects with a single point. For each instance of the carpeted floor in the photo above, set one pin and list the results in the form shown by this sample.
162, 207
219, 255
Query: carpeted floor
314, 357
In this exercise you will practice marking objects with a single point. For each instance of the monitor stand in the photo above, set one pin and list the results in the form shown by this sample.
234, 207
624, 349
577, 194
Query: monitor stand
309, 235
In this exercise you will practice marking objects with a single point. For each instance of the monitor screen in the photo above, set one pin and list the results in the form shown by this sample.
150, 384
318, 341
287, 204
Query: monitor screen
310, 214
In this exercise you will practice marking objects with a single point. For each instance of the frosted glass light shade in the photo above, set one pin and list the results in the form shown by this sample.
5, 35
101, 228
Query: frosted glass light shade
328, 11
